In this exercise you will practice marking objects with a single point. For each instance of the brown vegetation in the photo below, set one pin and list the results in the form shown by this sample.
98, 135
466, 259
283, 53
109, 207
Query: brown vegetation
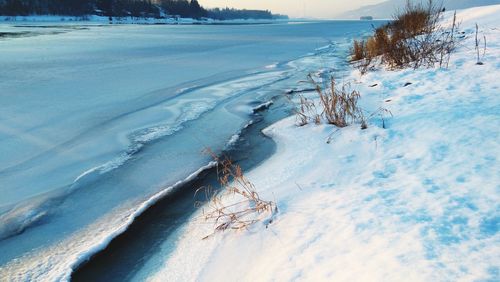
245, 209
339, 106
306, 111
413, 39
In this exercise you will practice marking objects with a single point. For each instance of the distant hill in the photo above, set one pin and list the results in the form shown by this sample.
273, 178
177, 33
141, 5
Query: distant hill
386, 9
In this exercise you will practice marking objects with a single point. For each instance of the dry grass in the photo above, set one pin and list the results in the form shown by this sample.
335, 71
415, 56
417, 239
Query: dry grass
358, 50
246, 207
339, 106
415, 19
372, 48
383, 114
306, 112
477, 46
413, 39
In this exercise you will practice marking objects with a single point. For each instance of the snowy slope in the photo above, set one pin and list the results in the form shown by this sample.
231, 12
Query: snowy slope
385, 9
418, 201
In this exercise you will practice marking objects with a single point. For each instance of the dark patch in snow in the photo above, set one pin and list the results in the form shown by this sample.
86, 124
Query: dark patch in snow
262, 107
292, 91
15, 34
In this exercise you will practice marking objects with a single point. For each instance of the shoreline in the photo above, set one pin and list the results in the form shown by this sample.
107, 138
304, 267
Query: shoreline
412, 197
102, 20
182, 195
414, 200
307, 58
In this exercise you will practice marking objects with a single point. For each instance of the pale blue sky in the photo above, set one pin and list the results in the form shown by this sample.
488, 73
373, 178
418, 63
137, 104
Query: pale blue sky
294, 8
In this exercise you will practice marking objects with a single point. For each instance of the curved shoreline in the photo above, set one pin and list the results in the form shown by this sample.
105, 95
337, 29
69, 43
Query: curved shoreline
90, 268
66, 249
107, 260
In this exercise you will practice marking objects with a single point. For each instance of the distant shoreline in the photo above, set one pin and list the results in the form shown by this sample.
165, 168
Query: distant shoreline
102, 20
130, 20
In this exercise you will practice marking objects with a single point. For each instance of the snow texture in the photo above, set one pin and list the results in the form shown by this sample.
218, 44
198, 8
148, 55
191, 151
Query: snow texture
385, 9
417, 201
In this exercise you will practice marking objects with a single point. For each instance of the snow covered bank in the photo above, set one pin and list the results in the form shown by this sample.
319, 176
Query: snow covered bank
418, 201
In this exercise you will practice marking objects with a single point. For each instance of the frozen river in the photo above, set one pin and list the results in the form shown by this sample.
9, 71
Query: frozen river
97, 122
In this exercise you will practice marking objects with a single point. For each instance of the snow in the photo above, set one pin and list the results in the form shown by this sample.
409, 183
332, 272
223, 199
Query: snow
262, 106
485, 16
102, 118
385, 8
417, 201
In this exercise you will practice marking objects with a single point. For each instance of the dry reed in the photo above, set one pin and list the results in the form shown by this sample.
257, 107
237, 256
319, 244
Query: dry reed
246, 207
413, 39
338, 105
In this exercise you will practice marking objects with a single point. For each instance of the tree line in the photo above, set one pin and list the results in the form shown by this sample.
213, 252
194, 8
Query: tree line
231, 14
125, 8
111, 8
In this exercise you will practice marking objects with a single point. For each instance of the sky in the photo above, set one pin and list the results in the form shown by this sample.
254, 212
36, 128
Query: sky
294, 8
